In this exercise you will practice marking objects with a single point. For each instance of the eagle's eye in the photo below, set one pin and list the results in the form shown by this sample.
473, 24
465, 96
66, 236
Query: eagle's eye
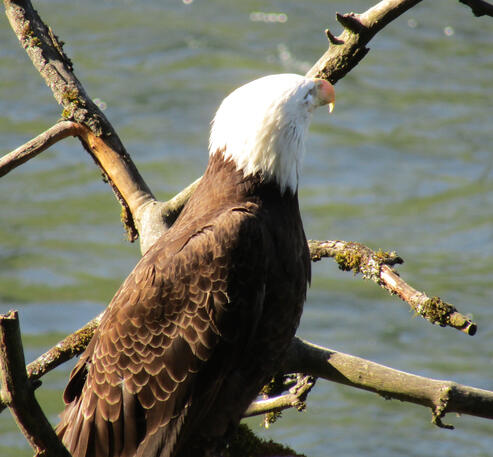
310, 93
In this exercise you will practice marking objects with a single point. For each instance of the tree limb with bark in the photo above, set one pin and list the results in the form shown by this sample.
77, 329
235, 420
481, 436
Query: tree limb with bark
145, 218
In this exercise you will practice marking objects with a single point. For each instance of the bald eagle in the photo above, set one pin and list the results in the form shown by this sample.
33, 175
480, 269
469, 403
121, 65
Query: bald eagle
205, 317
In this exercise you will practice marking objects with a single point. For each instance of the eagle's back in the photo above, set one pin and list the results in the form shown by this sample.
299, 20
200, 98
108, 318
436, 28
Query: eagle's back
196, 329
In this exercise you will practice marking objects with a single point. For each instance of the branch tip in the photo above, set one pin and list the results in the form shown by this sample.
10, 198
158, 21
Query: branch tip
470, 329
463, 323
350, 21
32, 148
333, 39
439, 312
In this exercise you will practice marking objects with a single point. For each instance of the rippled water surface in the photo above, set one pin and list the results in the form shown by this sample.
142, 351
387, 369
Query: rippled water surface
404, 163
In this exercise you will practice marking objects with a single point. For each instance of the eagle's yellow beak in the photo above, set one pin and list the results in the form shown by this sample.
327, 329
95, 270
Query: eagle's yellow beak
325, 93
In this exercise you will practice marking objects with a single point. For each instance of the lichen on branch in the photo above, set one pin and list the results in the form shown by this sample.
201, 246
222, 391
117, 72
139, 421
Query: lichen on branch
377, 266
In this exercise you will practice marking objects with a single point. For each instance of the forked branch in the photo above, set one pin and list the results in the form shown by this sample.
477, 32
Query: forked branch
46, 53
295, 398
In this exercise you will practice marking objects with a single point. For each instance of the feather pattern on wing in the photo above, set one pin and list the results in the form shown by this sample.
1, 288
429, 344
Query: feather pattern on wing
173, 334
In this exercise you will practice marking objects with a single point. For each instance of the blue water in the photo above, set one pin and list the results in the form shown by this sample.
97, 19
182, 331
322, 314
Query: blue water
405, 163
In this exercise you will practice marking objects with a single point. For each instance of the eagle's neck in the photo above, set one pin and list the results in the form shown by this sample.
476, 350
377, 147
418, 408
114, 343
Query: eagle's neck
273, 154
224, 186
238, 183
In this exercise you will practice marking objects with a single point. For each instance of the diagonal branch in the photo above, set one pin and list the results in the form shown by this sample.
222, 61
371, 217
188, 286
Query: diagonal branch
151, 216
376, 266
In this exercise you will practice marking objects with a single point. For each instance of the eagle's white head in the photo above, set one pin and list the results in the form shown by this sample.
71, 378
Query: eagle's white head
261, 126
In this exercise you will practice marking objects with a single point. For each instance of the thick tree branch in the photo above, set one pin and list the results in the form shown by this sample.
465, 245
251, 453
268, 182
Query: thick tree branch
17, 392
376, 266
441, 396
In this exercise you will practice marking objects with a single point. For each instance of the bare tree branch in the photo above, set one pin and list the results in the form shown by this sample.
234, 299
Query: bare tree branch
441, 396
17, 392
37, 145
71, 346
377, 266
151, 216
479, 7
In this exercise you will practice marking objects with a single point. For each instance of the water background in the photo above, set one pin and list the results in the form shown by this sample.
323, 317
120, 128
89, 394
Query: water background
405, 163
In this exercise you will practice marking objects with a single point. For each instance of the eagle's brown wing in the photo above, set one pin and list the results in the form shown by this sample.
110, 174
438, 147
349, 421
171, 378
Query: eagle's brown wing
185, 302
